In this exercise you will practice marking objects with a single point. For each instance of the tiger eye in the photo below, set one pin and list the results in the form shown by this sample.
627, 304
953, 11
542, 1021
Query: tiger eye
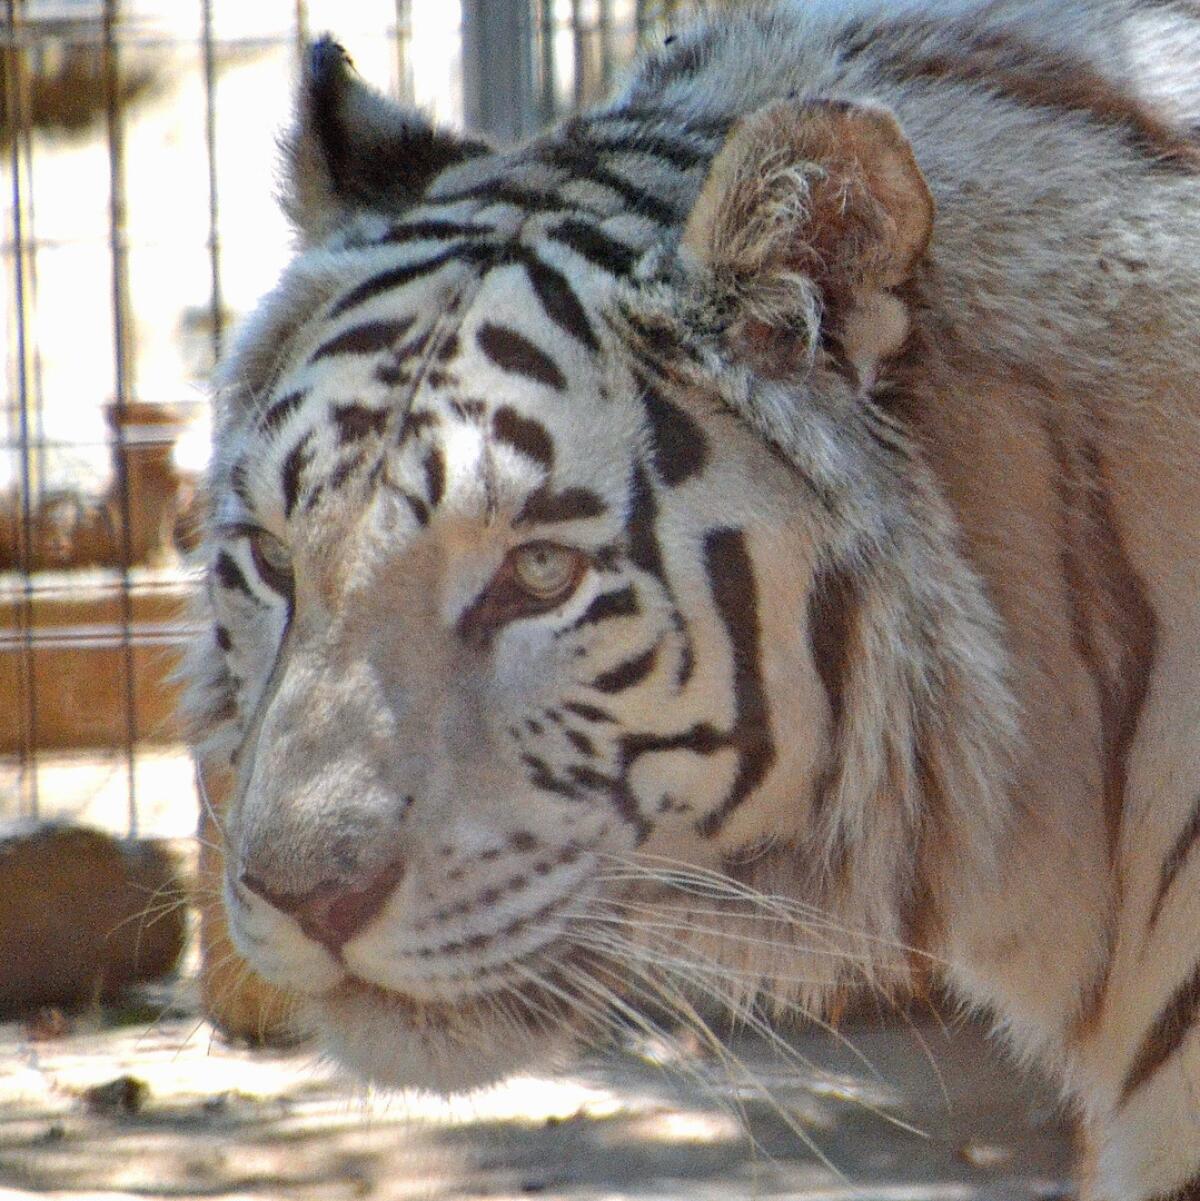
271, 561
545, 570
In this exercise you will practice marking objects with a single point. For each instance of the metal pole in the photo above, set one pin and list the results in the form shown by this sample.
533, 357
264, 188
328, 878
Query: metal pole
404, 77
497, 43
548, 66
16, 101
605, 32
580, 48
216, 305
122, 378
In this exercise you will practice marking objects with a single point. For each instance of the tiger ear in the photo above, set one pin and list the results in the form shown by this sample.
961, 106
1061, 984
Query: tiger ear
811, 213
353, 150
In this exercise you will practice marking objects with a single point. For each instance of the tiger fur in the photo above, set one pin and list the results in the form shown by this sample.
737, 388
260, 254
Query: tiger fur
742, 540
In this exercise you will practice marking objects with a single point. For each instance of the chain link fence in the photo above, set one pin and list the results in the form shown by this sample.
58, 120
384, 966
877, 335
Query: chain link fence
138, 223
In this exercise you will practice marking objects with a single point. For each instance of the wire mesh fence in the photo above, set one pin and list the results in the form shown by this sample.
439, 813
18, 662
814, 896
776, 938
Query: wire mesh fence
138, 223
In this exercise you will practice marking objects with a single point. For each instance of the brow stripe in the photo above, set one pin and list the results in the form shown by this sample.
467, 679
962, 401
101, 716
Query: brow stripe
398, 277
557, 297
516, 354
592, 244
368, 338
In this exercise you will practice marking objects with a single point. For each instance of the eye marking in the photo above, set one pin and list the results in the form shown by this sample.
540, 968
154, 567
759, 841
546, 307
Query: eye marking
536, 577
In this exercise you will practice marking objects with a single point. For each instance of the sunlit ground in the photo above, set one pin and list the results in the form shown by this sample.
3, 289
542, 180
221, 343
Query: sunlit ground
912, 1112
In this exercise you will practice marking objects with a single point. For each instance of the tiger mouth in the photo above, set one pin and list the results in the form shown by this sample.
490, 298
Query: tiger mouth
448, 1046
536, 989
537, 977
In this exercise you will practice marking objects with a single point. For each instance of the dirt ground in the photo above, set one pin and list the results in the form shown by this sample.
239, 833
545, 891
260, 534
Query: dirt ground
905, 1111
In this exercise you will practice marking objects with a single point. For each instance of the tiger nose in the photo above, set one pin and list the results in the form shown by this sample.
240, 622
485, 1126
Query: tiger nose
333, 912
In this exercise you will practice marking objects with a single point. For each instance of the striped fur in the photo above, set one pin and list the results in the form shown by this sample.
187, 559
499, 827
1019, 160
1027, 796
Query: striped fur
741, 541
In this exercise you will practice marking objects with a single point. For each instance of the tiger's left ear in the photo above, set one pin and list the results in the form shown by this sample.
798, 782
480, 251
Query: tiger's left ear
811, 213
352, 150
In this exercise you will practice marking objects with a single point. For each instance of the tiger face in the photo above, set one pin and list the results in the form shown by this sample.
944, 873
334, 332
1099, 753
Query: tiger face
520, 680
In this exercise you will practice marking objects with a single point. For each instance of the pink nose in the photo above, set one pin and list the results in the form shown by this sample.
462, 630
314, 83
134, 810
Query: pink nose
333, 912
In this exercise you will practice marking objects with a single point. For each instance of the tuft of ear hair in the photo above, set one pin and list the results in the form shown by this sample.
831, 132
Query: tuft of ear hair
352, 150
811, 213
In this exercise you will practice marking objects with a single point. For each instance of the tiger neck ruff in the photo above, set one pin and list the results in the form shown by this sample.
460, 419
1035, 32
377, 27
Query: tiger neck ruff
740, 543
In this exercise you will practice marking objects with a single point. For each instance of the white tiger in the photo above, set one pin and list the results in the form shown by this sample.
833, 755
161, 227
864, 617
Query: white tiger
744, 540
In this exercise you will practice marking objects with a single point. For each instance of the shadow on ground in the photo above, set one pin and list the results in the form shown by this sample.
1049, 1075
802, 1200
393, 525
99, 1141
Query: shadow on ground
904, 1111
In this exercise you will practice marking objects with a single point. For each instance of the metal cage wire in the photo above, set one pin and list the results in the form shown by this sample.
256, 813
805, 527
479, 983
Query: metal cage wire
114, 111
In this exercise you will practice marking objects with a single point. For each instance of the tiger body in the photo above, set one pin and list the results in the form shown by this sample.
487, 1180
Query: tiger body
744, 538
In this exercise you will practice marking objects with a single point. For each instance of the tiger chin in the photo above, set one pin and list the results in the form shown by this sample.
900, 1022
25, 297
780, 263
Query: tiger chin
739, 545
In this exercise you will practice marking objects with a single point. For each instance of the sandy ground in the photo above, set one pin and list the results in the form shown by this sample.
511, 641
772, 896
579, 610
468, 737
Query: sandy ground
910, 1111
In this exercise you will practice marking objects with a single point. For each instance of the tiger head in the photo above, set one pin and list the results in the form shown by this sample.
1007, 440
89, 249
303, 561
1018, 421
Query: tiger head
585, 629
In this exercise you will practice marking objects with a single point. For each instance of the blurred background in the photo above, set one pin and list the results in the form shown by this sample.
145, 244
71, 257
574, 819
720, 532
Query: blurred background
137, 224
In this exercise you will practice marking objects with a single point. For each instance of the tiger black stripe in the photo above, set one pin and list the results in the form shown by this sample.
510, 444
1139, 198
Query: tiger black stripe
580, 741
1171, 1027
504, 192
645, 552
344, 470
278, 578
730, 573
468, 409
609, 605
239, 483
680, 449
229, 575
545, 507
648, 114
293, 470
516, 354
1185, 844
557, 297
628, 674
355, 421
419, 509
433, 230
398, 367
597, 247
526, 436
434, 464
681, 155
281, 410
407, 273
1107, 600
414, 422
582, 165
674, 63
833, 608
368, 338
589, 713
542, 777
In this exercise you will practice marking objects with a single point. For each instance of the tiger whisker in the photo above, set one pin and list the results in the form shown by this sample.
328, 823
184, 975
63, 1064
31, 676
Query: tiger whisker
712, 974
